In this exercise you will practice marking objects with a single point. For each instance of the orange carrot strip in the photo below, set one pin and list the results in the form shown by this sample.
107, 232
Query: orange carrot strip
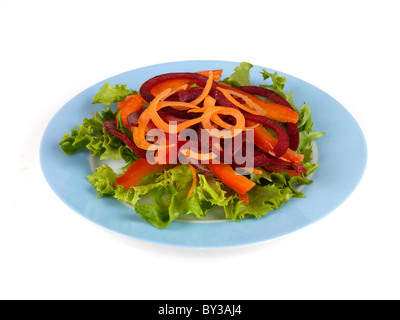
209, 102
194, 180
205, 118
198, 156
151, 114
177, 89
139, 132
214, 131
160, 123
240, 120
231, 99
166, 127
228, 176
209, 112
206, 89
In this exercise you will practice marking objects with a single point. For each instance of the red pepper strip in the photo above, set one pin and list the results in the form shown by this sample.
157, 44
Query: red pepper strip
217, 73
129, 105
244, 197
292, 128
228, 176
109, 126
135, 173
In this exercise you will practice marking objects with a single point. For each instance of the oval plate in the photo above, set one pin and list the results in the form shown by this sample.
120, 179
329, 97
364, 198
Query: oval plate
342, 158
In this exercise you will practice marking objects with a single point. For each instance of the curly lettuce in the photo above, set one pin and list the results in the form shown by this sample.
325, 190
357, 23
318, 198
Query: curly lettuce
91, 134
108, 94
240, 76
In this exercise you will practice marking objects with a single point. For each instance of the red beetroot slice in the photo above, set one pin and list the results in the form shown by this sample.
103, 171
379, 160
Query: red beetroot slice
145, 89
168, 118
222, 100
133, 117
179, 113
261, 160
189, 95
283, 138
202, 169
291, 128
109, 126
283, 165
300, 168
235, 156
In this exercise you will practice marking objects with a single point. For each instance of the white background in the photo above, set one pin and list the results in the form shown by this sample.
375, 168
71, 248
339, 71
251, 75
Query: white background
52, 50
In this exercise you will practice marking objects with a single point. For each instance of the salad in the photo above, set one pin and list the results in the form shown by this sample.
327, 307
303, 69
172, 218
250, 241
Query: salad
192, 142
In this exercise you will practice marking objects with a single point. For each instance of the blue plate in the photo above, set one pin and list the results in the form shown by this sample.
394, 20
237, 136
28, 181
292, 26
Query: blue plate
342, 158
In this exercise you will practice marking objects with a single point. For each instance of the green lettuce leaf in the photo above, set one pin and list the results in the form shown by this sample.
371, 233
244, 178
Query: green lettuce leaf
91, 135
278, 82
241, 76
307, 135
103, 180
262, 199
108, 94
